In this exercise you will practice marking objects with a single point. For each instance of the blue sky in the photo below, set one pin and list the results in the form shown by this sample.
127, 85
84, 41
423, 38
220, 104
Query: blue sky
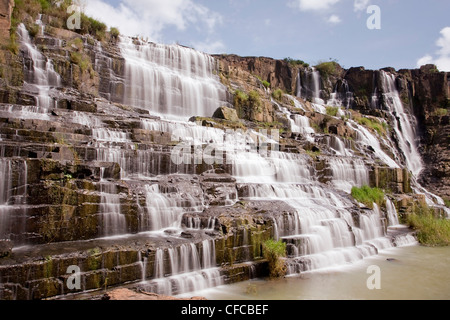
412, 32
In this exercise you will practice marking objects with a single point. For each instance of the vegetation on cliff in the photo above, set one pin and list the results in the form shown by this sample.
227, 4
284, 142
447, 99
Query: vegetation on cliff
329, 68
26, 11
431, 230
274, 251
368, 196
296, 63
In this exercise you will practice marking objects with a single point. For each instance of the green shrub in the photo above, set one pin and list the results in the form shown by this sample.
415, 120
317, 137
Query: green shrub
441, 112
240, 97
327, 69
115, 33
45, 4
92, 27
296, 63
379, 127
431, 231
82, 60
266, 84
332, 111
368, 196
273, 251
33, 30
277, 94
254, 98
447, 203
12, 44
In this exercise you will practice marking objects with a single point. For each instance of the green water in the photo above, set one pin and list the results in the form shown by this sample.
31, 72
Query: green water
408, 273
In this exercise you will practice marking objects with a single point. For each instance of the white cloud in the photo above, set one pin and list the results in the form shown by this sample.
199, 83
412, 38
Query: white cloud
150, 17
427, 59
210, 47
334, 19
442, 57
313, 5
361, 5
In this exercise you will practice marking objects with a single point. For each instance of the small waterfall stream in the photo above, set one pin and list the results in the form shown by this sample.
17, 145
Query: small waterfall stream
40, 75
184, 269
403, 123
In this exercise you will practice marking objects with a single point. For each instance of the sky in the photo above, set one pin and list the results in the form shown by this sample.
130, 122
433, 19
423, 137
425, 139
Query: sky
369, 33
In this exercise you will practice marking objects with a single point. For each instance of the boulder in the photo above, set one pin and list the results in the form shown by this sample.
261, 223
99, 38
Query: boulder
226, 113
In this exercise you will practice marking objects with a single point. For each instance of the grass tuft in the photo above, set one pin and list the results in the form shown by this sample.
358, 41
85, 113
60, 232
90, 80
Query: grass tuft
368, 196
431, 231
273, 251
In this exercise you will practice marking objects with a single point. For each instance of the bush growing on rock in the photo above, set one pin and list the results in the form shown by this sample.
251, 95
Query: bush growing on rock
326, 69
274, 251
431, 230
368, 196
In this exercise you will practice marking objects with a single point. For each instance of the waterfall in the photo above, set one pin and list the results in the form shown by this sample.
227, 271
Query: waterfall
5, 194
170, 80
302, 125
338, 146
298, 123
367, 139
40, 75
406, 136
278, 167
191, 269
403, 124
321, 233
310, 88
348, 173
341, 96
391, 213
162, 212
13, 200
112, 221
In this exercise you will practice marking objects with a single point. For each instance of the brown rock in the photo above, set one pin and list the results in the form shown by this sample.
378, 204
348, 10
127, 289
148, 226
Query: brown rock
5, 248
226, 113
127, 294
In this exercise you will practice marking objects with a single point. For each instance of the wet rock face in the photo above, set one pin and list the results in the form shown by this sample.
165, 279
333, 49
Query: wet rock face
363, 83
5, 248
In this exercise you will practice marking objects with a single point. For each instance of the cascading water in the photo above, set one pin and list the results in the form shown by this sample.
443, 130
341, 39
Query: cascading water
5, 193
40, 76
172, 81
348, 173
342, 96
112, 221
403, 124
165, 210
298, 123
184, 269
13, 200
366, 139
407, 136
391, 213
310, 87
